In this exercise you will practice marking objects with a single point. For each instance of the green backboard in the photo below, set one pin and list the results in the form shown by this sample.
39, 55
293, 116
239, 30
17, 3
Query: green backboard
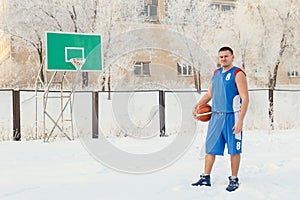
62, 47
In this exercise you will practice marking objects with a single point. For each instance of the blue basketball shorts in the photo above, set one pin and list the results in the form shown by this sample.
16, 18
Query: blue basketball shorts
220, 133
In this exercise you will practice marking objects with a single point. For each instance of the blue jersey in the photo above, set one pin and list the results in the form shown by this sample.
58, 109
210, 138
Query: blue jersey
225, 95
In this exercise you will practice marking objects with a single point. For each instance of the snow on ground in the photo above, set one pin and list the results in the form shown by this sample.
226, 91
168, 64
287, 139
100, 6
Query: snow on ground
64, 170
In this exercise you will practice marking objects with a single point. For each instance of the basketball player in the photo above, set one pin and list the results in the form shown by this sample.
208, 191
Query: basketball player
229, 94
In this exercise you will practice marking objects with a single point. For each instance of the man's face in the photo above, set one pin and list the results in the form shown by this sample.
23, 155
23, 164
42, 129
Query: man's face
225, 58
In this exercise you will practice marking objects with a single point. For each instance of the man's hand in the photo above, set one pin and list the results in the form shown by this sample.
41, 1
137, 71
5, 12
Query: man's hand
238, 127
194, 111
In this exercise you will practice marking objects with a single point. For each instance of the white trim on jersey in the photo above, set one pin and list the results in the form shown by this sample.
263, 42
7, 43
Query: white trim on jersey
236, 103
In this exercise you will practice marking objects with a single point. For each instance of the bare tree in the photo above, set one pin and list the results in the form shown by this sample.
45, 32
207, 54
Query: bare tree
264, 32
27, 24
285, 27
82, 15
196, 21
115, 17
28, 21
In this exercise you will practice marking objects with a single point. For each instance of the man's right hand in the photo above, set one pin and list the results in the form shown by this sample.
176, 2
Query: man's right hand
194, 111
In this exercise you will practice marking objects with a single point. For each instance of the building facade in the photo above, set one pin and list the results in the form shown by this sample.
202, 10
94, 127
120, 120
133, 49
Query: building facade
169, 62
5, 47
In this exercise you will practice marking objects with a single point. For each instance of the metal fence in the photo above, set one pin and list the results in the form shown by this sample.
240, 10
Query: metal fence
22, 113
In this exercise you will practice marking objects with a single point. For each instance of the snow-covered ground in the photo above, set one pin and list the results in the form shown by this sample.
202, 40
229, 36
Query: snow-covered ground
64, 170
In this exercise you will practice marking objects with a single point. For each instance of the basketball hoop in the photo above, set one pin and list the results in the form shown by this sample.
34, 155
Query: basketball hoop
78, 63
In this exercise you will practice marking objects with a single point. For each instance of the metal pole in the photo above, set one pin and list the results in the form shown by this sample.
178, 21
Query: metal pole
16, 116
36, 115
162, 113
95, 116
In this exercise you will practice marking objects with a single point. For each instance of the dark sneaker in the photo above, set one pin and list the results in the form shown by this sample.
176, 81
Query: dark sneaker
233, 184
204, 180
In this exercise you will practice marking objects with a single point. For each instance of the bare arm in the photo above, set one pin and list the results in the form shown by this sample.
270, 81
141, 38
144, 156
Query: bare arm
204, 99
242, 87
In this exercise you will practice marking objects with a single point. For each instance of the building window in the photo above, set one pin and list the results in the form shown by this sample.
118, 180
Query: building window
227, 7
142, 68
223, 5
184, 69
150, 10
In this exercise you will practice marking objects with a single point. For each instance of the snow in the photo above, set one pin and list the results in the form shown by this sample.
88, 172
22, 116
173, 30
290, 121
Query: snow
64, 169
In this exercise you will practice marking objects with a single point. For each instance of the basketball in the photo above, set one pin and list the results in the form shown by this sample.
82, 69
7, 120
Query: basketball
204, 112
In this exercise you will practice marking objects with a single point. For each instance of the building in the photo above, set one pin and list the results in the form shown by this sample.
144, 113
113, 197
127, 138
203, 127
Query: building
5, 47
167, 64
161, 65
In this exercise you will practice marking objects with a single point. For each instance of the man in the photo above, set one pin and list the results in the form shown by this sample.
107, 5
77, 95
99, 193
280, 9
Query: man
229, 94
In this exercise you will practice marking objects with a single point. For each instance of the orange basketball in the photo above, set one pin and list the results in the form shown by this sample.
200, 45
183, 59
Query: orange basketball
204, 112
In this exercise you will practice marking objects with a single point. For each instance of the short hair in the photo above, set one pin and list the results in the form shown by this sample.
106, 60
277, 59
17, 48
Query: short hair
226, 49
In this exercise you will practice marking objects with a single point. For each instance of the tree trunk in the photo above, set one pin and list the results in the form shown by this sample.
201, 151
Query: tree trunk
195, 79
103, 83
85, 79
108, 85
40, 53
199, 81
273, 79
271, 107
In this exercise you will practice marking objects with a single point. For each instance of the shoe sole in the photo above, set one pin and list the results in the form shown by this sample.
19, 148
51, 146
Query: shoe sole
201, 185
231, 190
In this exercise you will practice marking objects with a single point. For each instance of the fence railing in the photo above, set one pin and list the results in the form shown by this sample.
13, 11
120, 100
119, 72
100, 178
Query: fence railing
118, 113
